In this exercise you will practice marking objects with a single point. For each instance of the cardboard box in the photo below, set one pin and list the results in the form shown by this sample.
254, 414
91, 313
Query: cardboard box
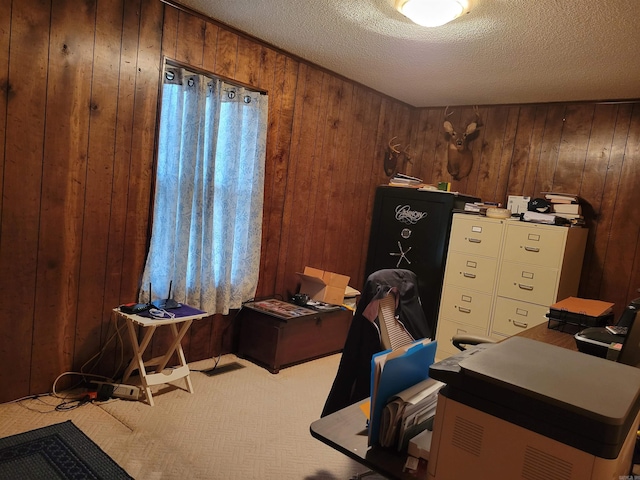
323, 286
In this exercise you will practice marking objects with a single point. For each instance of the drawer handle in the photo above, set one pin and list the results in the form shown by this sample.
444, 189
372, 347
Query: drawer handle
469, 275
475, 240
525, 287
464, 310
531, 249
519, 324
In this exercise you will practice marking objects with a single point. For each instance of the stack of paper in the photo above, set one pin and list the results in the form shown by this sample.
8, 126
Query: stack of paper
402, 180
408, 413
394, 371
566, 206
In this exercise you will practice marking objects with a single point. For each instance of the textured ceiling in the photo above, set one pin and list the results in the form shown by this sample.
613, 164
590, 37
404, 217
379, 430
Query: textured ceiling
501, 52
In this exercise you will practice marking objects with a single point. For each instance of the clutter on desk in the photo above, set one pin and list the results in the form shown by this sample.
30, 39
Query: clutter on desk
580, 312
392, 372
409, 413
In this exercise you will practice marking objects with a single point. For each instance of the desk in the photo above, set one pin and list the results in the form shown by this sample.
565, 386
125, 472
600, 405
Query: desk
345, 429
184, 316
549, 335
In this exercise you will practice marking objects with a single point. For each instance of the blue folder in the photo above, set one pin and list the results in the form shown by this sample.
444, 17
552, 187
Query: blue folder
398, 373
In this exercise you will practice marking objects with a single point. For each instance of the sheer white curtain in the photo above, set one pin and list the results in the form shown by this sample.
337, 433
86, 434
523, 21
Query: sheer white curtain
207, 217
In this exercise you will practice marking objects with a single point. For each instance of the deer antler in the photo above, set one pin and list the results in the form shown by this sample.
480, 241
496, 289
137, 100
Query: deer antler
394, 148
407, 154
445, 112
476, 111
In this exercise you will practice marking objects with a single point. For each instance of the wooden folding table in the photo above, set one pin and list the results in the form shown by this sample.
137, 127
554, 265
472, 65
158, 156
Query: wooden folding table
179, 325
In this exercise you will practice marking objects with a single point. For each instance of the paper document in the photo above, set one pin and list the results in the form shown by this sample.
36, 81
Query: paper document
408, 412
393, 371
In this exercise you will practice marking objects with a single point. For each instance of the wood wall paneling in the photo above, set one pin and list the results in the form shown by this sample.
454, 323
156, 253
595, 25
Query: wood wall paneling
99, 181
63, 189
79, 85
117, 288
24, 76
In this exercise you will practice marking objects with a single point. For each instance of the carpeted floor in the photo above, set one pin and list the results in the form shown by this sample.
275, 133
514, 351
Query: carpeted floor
244, 423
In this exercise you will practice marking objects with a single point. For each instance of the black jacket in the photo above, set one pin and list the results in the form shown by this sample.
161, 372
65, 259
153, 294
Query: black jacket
353, 380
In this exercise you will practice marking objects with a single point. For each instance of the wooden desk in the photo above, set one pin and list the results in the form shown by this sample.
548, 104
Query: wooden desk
550, 336
184, 316
345, 430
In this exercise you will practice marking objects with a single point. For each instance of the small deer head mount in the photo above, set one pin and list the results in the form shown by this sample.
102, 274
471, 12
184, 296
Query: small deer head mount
459, 157
395, 156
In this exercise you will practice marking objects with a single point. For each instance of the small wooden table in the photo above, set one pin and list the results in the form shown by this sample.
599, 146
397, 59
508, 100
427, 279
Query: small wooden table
184, 316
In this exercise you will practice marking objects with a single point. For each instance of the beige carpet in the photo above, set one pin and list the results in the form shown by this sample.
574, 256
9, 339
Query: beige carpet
242, 424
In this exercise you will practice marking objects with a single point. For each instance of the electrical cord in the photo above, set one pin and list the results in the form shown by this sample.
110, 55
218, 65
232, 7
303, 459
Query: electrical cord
71, 400
215, 365
98, 356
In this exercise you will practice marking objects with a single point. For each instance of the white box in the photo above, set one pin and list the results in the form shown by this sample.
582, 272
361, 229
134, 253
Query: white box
518, 204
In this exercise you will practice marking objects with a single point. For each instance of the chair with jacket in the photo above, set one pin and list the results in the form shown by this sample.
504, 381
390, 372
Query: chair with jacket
389, 296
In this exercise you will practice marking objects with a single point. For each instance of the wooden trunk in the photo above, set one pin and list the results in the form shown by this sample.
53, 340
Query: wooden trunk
275, 343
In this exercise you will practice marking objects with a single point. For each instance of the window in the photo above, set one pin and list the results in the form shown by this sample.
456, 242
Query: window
207, 217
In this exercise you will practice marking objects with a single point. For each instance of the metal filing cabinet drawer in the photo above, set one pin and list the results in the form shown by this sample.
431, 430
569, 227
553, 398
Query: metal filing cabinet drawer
472, 308
529, 283
446, 331
512, 317
537, 244
473, 272
476, 235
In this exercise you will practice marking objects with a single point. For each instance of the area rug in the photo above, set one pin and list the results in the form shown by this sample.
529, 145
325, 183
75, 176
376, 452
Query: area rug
60, 451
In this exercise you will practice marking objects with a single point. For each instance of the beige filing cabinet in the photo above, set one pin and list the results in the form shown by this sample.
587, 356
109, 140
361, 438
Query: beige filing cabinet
501, 276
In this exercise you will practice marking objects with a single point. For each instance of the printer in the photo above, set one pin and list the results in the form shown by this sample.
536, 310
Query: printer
605, 342
526, 409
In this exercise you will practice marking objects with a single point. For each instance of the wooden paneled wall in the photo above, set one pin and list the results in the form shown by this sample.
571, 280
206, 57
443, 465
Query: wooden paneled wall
78, 106
590, 149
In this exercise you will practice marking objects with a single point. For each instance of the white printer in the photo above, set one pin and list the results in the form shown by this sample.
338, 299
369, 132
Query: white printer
523, 409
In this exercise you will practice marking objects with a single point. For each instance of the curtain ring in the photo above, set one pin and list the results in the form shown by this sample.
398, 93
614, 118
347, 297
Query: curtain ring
169, 75
231, 94
247, 99
191, 82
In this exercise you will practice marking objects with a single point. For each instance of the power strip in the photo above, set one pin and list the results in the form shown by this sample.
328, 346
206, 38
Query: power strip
117, 390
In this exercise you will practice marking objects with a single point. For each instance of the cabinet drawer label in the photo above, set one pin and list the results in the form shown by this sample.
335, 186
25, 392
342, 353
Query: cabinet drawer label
521, 311
465, 298
528, 275
472, 264
476, 229
534, 236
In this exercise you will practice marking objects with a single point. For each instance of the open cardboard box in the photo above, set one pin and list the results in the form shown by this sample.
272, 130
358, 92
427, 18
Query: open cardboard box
323, 286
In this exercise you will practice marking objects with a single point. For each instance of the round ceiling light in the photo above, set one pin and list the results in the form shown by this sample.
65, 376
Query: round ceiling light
432, 13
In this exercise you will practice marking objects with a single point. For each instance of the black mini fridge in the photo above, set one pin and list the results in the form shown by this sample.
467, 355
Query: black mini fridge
410, 229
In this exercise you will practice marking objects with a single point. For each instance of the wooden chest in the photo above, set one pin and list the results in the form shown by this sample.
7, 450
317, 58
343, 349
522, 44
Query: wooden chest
275, 343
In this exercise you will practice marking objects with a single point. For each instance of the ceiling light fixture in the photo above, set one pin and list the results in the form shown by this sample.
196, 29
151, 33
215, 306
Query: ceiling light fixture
432, 13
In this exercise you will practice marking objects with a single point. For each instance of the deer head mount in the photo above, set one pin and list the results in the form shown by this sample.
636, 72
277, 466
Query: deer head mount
394, 156
459, 157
